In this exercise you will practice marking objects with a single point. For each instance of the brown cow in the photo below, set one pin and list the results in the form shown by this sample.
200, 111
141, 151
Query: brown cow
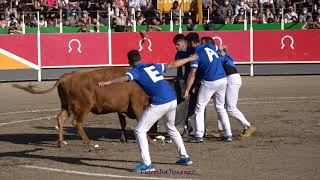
79, 94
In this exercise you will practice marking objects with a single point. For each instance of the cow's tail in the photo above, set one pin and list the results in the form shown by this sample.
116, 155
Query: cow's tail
30, 88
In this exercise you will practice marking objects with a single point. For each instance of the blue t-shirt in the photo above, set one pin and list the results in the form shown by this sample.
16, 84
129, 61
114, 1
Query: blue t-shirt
209, 63
149, 77
182, 55
228, 64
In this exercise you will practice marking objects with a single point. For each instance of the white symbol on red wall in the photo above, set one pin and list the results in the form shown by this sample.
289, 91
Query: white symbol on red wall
144, 39
287, 40
219, 38
75, 43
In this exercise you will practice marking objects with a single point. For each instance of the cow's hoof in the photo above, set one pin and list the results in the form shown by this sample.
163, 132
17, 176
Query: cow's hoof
93, 145
123, 140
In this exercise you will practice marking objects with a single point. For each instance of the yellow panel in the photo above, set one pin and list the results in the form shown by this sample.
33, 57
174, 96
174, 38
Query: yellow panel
166, 5
10, 63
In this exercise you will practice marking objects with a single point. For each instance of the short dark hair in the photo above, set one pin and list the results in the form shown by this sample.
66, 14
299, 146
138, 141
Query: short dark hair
193, 37
207, 40
179, 37
133, 56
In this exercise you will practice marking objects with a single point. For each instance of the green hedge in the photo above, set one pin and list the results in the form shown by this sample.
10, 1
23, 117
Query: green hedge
218, 27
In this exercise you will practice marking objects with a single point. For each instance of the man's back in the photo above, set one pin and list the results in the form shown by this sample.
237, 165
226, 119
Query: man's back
150, 78
209, 63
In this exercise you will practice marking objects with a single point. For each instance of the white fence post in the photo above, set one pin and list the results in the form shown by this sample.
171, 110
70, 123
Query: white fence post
23, 25
251, 45
109, 37
180, 21
245, 21
39, 47
171, 22
61, 24
282, 20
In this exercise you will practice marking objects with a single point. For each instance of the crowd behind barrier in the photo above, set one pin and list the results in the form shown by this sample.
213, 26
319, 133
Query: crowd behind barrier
91, 15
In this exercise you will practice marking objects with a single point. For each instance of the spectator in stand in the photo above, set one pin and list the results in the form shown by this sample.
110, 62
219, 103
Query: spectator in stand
72, 19
256, 18
130, 23
121, 22
267, 4
133, 5
43, 22
146, 4
85, 18
176, 9
38, 5
225, 7
74, 5
206, 4
30, 20
94, 7
191, 26
215, 7
242, 5
50, 5
140, 19
254, 4
14, 28
267, 17
304, 14
290, 15
315, 12
229, 18
3, 21
121, 5
239, 19
279, 4
310, 24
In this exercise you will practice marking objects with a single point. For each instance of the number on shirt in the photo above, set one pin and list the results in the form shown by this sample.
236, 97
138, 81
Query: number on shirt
211, 53
153, 73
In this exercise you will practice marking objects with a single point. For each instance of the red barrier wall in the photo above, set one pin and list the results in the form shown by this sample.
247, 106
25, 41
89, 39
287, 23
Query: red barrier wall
92, 48
74, 49
291, 45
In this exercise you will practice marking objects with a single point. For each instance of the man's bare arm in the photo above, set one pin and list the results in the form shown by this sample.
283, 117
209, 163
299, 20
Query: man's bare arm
190, 81
120, 79
181, 62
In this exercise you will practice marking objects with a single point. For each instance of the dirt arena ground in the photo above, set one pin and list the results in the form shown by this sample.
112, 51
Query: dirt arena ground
285, 110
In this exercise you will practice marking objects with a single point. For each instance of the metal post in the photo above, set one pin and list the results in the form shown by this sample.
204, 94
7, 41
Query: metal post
208, 19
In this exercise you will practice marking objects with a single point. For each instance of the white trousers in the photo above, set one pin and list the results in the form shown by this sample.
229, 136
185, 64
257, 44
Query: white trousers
232, 95
217, 89
151, 115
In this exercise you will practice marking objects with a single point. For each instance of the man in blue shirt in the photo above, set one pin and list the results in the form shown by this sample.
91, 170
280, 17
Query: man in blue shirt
232, 93
184, 51
163, 103
214, 82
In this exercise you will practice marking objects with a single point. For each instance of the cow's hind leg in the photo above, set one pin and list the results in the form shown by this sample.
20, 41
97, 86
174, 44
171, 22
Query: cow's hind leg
123, 123
61, 119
